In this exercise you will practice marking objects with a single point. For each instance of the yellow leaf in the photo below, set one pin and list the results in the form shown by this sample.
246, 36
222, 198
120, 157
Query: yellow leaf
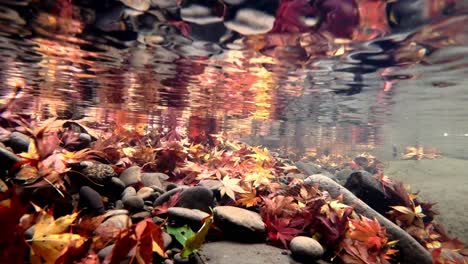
129, 151
194, 243
46, 225
50, 247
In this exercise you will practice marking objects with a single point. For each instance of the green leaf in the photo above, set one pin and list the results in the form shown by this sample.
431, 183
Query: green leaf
194, 243
181, 233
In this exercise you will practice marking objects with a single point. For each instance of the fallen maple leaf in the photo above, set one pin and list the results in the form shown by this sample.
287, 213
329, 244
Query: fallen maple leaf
230, 186
49, 240
281, 229
249, 199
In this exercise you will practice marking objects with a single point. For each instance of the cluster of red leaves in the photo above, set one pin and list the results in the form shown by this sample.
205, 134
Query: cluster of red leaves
142, 239
366, 242
416, 218
12, 245
248, 176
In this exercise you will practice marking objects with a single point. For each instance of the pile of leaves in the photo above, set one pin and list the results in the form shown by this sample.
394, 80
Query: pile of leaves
249, 177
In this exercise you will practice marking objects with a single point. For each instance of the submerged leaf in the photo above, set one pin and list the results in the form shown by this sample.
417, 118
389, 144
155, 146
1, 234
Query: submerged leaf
182, 233
194, 243
230, 186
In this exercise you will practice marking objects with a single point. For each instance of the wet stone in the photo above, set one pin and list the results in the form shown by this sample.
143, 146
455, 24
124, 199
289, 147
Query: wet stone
192, 217
115, 222
167, 195
167, 239
131, 176
140, 216
116, 185
91, 200
8, 159
19, 142
97, 172
152, 179
146, 193
239, 224
133, 203
129, 191
239, 253
197, 197
305, 249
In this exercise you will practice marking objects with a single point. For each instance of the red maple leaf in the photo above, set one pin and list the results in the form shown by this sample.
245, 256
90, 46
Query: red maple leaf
283, 229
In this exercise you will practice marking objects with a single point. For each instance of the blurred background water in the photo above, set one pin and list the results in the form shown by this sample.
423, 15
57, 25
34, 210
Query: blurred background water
386, 80
301, 77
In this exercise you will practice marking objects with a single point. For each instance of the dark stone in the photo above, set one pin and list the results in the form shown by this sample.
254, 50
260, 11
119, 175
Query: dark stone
46, 195
116, 186
239, 253
239, 224
131, 176
167, 195
19, 142
91, 200
152, 179
171, 186
308, 168
305, 249
140, 216
8, 159
369, 190
411, 251
133, 203
85, 141
197, 197
192, 217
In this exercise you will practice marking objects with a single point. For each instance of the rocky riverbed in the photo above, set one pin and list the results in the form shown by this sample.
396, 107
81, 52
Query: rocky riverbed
71, 193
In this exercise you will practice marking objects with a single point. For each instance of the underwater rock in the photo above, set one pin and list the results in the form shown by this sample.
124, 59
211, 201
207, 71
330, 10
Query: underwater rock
197, 197
115, 186
306, 249
146, 193
239, 253
410, 250
140, 216
239, 224
129, 191
167, 195
167, 239
91, 200
133, 203
131, 176
8, 159
368, 188
192, 217
98, 173
152, 179
116, 221
343, 175
309, 168
19, 142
